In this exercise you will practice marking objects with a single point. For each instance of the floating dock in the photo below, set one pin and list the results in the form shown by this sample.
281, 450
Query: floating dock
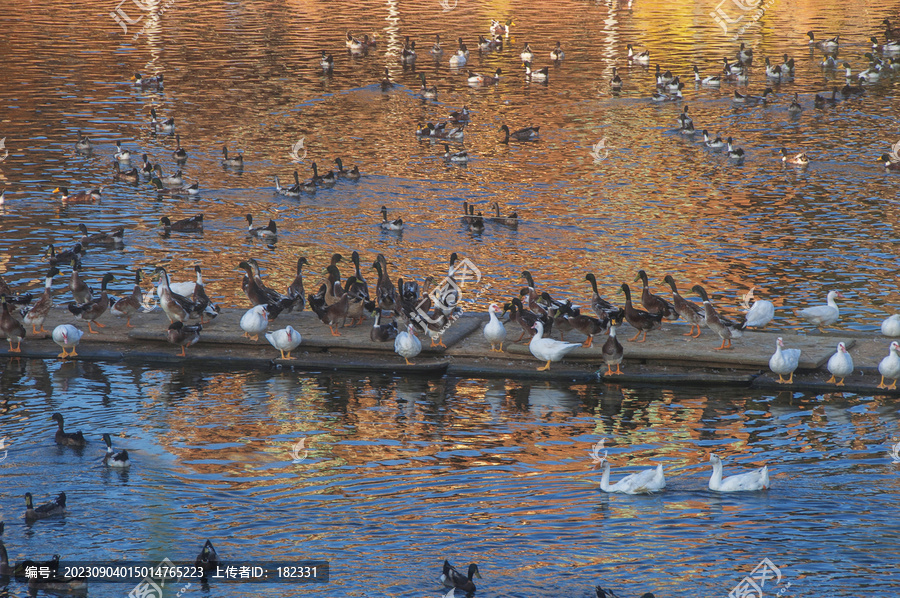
666, 358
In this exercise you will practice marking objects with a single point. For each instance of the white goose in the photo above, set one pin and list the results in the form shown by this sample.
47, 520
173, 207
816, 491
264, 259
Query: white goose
254, 322
784, 362
494, 331
823, 315
285, 340
547, 349
642, 482
744, 482
840, 364
760, 313
890, 367
67, 337
891, 326
407, 345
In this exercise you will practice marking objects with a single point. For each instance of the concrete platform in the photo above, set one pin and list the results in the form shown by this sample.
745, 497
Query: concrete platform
666, 358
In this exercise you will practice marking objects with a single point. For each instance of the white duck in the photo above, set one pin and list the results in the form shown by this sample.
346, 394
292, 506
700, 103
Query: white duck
744, 482
494, 331
547, 349
254, 322
285, 340
784, 361
407, 345
67, 337
458, 59
823, 315
760, 313
642, 482
891, 326
840, 364
890, 367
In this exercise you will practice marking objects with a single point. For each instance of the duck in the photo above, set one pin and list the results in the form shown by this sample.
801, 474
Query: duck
642, 482
67, 337
382, 333
83, 144
141, 81
784, 361
585, 324
744, 482
829, 44
179, 155
67, 438
751, 100
38, 313
889, 46
547, 349
542, 74
891, 325
94, 308
232, 162
494, 331
823, 315
295, 292
524, 134
795, 107
80, 197
889, 164
452, 578
333, 315
889, 367
407, 345
177, 191
732, 70
478, 79
356, 46
527, 55
613, 352
852, 90
759, 314
684, 119
427, 93
112, 458
392, 225
689, 311
436, 50
601, 306
66, 256
641, 320
458, 59
386, 83
711, 81
122, 156
269, 231
176, 306
461, 157
360, 303
787, 67
128, 306
208, 559
50, 509
498, 28
736, 154
654, 303
839, 364
326, 180
111, 238
81, 292
616, 83
11, 328
772, 71
166, 126
194, 224
285, 340
327, 62
725, 328
557, 54
487, 45
442, 132
352, 174
254, 321
292, 191
797, 160
385, 294
638, 58
130, 176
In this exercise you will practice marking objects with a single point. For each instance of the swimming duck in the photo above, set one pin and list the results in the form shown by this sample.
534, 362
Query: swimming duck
547, 349
538, 75
787, 67
113, 237
269, 231
616, 83
194, 224
852, 90
891, 326
208, 559
38, 312
527, 55
525, 134
443, 132
350, 175
822, 315
486, 45
601, 306
254, 321
67, 438
11, 328
292, 191
66, 256
612, 352
427, 93
772, 71
889, 46
285, 340
128, 306
732, 70
83, 144
745, 54
326, 180
829, 44
50, 509
80, 197
393, 225
736, 154
141, 81
557, 54
498, 28
642, 482
122, 156
829, 62
839, 364
638, 58
161, 126
112, 458
436, 50
711, 81
641, 320
751, 100
94, 308
744, 482
176, 191
689, 311
684, 119
356, 46
460, 157
452, 578
147, 166
131, 176
478, 79
713, 144
725, 328
386, 83
458, 59
179, 155
327, 62
798, 160
233, 161
67, 337
889, 367
784, 361
759, 314
662, 79
795, 107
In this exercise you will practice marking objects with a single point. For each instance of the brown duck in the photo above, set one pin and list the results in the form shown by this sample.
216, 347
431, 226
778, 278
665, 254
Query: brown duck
654, 303
641, 320
94, 308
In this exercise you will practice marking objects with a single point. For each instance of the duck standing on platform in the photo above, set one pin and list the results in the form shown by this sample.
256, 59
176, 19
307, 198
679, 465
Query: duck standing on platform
494, 331
890, 367
823, 315
612, 352
759, 313
67, 337
406, 344
254, 322
285, 340
547, 349
784, 361
840, 364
